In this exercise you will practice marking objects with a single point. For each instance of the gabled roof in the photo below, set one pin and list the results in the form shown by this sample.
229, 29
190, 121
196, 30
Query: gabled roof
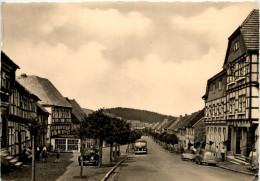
196, 118
166, 126
5, 58
78, 114
45, 90
26, 91
181, 121
249, 30
159, 127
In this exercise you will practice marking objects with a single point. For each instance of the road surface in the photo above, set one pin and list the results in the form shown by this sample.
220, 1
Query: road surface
160, 165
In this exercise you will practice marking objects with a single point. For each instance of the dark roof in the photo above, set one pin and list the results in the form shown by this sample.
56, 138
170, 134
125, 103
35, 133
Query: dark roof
26, 91
181, 122
78, 114
5, 58
44, 89
167, 125
250, 30
42, 108
196, 118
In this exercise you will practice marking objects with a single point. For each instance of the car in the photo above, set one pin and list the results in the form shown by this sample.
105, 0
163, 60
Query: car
90, 157
206, 156
141, 146
188, 154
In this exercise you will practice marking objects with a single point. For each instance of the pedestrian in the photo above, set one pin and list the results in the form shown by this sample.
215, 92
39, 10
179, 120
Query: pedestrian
44, 154
222, 150
38, 152
253, 156
57, 156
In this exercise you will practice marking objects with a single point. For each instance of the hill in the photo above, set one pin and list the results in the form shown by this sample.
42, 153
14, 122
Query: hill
137, 114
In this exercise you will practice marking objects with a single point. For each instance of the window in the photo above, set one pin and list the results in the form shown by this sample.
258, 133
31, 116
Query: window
60, 143
220, 84
213, 87
73, 144
215, 130
236, 46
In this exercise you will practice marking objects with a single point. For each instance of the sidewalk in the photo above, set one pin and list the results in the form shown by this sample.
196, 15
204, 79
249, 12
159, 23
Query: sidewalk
91, 173
237, 168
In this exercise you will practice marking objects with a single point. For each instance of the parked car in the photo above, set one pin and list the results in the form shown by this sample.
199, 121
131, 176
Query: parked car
206, 156
90, 157
188, 154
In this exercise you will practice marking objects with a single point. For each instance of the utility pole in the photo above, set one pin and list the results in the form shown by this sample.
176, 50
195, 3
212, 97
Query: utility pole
33, 158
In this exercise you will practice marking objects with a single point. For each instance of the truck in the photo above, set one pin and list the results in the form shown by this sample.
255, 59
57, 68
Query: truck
140, 146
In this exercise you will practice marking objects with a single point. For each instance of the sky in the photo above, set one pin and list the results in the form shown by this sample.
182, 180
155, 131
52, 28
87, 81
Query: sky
154, 56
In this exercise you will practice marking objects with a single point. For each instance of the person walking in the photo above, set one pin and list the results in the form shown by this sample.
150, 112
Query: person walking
222, 150
253, 156
44, 154
57, 156
38, 152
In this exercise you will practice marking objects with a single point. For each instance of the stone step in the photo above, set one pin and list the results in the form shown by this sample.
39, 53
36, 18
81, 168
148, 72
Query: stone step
233, 159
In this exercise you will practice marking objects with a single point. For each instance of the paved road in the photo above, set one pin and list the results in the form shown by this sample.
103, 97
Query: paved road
161, 165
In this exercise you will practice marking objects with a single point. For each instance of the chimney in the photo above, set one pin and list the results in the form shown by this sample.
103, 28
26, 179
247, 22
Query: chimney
23, 75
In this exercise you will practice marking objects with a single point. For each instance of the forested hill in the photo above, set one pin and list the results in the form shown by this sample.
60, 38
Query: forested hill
136, 114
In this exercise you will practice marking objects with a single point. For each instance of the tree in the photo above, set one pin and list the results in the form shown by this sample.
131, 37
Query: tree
81, 133
97, 126
34, 127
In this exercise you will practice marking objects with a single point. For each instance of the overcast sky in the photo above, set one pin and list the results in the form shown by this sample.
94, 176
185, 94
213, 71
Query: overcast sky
154, 56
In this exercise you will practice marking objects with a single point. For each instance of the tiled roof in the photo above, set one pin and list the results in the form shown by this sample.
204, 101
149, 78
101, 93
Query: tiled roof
181, 122
78, 114
167, 125
44, 89
196, 118
250, 30
5, 58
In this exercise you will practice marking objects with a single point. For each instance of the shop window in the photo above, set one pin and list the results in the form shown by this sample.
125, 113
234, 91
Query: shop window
60, 143
73, 144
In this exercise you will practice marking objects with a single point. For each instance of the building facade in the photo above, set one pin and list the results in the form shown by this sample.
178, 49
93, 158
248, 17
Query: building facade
60, 125
215, 111
232, 115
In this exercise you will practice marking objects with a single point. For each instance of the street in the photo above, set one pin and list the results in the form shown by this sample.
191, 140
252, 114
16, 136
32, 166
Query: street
159, 164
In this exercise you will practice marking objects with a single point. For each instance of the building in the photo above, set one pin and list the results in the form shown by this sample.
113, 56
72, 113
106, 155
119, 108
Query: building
8, 69
242, 66
232, 115
22, 109
60, 126
215, 110
190, 129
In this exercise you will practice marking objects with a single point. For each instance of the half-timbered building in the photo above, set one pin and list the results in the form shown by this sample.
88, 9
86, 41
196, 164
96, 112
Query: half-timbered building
215, 110
242, 67
60, 125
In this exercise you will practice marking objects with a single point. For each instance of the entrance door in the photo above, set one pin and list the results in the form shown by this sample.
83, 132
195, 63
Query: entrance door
238, 138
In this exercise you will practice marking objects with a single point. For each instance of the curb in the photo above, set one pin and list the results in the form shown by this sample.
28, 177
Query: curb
113, 169
234, 170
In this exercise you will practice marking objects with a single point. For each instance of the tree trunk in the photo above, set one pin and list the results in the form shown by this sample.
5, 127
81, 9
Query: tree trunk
118, 149
115, 151
111, 152
100, 152
81, 152
33, 158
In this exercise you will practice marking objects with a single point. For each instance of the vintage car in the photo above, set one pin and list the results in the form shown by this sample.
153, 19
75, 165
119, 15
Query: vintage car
206, 156
90, 157
140, 146
188, 154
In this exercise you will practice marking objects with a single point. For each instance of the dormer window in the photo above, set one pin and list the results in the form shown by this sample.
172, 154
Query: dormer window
236, 46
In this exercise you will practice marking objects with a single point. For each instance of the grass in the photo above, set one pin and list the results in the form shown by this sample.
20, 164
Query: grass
44, 171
